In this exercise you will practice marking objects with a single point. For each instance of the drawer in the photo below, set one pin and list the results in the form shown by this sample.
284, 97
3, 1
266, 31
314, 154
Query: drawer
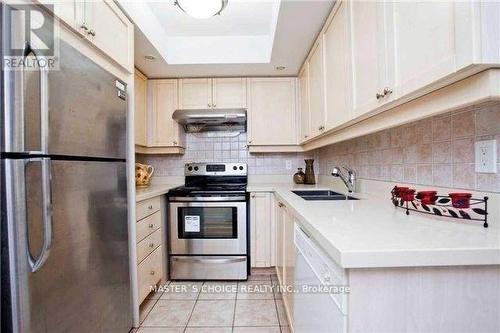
145, 227
146, 207
149, 272
148, 245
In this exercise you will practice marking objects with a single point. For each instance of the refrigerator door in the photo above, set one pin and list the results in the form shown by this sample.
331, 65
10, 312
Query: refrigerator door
87, 109
81, 282
76, 109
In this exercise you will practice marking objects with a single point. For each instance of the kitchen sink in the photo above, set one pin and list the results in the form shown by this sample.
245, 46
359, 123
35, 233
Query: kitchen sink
323, 195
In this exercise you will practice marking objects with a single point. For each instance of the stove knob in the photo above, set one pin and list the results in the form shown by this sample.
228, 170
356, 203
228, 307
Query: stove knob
234, 167
195, 168
190, 168
241, 167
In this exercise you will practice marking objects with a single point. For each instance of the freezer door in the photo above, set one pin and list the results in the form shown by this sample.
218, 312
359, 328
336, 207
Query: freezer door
76, 108
87, 111
81, 282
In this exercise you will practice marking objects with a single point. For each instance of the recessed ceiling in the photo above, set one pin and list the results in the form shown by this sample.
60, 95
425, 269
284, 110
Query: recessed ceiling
249, 38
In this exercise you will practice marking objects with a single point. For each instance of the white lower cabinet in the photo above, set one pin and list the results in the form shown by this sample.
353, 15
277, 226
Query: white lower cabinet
150, 252
260, 229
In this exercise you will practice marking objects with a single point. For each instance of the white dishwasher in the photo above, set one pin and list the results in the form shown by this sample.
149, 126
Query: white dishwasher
316, 312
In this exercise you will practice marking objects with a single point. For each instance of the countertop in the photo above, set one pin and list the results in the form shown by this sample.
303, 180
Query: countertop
371, 232
153, 190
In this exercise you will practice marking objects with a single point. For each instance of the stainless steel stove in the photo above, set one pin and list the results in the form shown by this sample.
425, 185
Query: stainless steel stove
208, 225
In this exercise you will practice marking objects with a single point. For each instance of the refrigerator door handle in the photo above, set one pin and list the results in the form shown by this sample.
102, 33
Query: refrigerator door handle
37, 263
44, 101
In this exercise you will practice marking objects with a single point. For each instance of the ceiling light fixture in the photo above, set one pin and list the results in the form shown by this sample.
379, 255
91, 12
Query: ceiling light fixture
201, 9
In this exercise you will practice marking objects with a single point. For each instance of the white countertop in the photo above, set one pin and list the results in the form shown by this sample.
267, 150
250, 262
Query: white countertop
373, 233
153, 190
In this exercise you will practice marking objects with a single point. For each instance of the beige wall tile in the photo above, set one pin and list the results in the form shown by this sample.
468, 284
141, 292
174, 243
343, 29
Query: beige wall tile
464, 176
463, 150
442, 175
463, 124
441, 128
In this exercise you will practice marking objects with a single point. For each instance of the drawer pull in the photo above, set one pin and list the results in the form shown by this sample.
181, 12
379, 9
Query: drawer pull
151, 226
152, 272
151, 244
150, 207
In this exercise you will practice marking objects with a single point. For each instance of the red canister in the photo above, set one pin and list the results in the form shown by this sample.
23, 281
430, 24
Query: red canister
460, 200
398, 191
427, 197
408, 195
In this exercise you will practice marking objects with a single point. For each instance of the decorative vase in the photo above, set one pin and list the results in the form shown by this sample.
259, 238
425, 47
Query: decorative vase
309, 177
299, 177
143, 173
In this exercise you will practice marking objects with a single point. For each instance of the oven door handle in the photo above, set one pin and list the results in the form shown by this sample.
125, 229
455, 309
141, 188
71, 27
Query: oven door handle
210, 261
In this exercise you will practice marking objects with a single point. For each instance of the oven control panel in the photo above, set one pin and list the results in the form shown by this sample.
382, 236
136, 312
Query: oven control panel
215, 169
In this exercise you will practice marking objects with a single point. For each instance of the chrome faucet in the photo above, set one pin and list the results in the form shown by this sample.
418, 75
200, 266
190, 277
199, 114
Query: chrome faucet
349, 179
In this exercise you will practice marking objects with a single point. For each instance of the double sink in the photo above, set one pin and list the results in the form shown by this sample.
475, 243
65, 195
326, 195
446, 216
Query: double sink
323, 195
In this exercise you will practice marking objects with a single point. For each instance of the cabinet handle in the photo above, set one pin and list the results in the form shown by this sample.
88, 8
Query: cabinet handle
250, 141
387, 91
321, 128
209, 105
150, 207
175, 143
84, 26
152, 272
280, 204
214, 105
305, 136
91, 32
151, 226
151, 244
253, 195
379, 95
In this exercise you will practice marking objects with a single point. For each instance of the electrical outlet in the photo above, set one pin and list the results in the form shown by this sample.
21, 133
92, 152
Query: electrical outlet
288, 164
486, 156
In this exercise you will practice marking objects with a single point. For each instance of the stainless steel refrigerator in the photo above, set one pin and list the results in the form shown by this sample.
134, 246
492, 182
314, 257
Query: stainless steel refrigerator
64, 234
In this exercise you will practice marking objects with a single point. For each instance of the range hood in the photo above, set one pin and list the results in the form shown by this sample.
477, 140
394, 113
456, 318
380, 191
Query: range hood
212, 120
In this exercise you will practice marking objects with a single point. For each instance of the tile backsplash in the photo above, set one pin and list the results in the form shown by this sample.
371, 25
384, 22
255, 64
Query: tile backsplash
435, 151
233, 149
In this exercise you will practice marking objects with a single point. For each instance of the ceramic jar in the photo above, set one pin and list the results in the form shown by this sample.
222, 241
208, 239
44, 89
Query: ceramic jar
299, 177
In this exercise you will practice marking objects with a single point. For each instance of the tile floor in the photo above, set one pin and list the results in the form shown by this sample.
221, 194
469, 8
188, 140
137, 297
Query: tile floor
195, 307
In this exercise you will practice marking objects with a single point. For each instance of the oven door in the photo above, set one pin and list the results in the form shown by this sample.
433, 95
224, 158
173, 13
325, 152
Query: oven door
208, 228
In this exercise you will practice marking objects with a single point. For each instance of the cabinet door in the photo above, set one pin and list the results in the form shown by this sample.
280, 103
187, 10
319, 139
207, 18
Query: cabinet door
289, 260
113, 32
305, 112
166, 131
336, 50
424, 44
317, 90
280, 211
195, 93
66, 11
272, 111
369, 67
229, 93
140, 87
260, 229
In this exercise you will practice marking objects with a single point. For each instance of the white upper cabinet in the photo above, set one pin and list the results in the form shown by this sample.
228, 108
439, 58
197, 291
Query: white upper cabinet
317, 89
111, 31
165, 131
229, 93
305, 112
369, 66
424, 42
195, 93
102, 23
337, 68
218, 93
272, 111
